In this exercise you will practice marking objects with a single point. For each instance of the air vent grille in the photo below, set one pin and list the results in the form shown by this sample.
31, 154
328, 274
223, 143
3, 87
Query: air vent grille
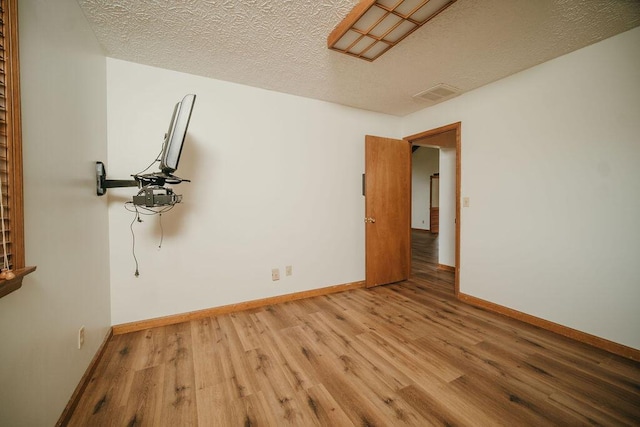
438, 93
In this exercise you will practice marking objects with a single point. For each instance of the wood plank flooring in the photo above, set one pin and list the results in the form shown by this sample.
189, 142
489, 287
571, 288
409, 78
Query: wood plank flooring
403, 354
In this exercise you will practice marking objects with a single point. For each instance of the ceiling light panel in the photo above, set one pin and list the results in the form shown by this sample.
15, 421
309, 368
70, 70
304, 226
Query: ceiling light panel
376, 50
401, 31
389, 4
374, 26
389, 22
370, 19
363, 43
407, 7
347, 40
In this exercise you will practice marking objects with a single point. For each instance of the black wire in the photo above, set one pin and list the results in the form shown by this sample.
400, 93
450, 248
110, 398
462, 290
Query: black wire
154, 210
157, 159
144, 210
161, 231
133, 245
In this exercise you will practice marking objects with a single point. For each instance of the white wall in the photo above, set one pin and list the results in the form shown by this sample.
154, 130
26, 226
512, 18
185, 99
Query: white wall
424, 164
550, 163
64, 130
447, 220
276, 181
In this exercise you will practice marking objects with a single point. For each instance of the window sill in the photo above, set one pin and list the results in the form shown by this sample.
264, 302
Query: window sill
8, 286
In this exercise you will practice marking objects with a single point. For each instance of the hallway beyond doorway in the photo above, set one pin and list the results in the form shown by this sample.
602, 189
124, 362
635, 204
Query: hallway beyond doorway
424, 262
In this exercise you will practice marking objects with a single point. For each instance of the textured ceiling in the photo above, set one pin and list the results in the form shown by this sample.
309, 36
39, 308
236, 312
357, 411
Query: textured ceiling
281, 44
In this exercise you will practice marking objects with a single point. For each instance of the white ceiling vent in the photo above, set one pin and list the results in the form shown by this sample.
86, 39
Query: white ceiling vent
437, 93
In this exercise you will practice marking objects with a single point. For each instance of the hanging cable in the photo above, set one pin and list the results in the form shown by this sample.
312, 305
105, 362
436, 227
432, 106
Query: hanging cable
161, 231
144, 210
157, 159
133, 240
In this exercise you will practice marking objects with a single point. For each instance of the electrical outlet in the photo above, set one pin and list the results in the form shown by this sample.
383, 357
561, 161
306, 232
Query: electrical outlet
275, 274
288, 270
80, 337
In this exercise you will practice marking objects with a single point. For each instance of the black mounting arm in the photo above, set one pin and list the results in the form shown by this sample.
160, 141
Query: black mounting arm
102, 183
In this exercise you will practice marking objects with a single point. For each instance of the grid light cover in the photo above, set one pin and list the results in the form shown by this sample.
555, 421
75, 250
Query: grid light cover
375, 26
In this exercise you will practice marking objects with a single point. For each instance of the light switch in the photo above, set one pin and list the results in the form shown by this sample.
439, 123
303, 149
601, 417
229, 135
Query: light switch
465, 202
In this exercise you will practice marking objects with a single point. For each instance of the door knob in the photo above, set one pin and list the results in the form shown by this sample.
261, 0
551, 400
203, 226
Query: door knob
370, 220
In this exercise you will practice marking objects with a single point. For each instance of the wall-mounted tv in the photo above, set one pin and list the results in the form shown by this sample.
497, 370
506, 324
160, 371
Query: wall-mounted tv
174, 138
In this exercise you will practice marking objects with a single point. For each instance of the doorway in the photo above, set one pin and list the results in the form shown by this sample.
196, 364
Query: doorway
434, 203
425, 165
447, 140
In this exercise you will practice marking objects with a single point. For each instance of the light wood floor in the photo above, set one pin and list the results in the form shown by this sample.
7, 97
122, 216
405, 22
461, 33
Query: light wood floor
403, 354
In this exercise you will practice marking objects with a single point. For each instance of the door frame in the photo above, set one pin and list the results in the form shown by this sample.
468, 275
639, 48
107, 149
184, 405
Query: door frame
436, 131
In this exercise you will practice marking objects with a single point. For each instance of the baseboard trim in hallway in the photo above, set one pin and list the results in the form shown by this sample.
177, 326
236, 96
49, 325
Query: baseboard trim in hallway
446, 268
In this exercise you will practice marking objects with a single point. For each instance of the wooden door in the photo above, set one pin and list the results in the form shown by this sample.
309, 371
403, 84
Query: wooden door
387, 210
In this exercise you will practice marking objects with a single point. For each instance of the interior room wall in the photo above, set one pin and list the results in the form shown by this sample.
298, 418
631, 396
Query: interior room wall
63, 77
425, 162
550, 165
276, 181
447, 220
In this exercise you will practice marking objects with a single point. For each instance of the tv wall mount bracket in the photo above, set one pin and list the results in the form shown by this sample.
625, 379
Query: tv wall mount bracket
102, 183
158, 179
